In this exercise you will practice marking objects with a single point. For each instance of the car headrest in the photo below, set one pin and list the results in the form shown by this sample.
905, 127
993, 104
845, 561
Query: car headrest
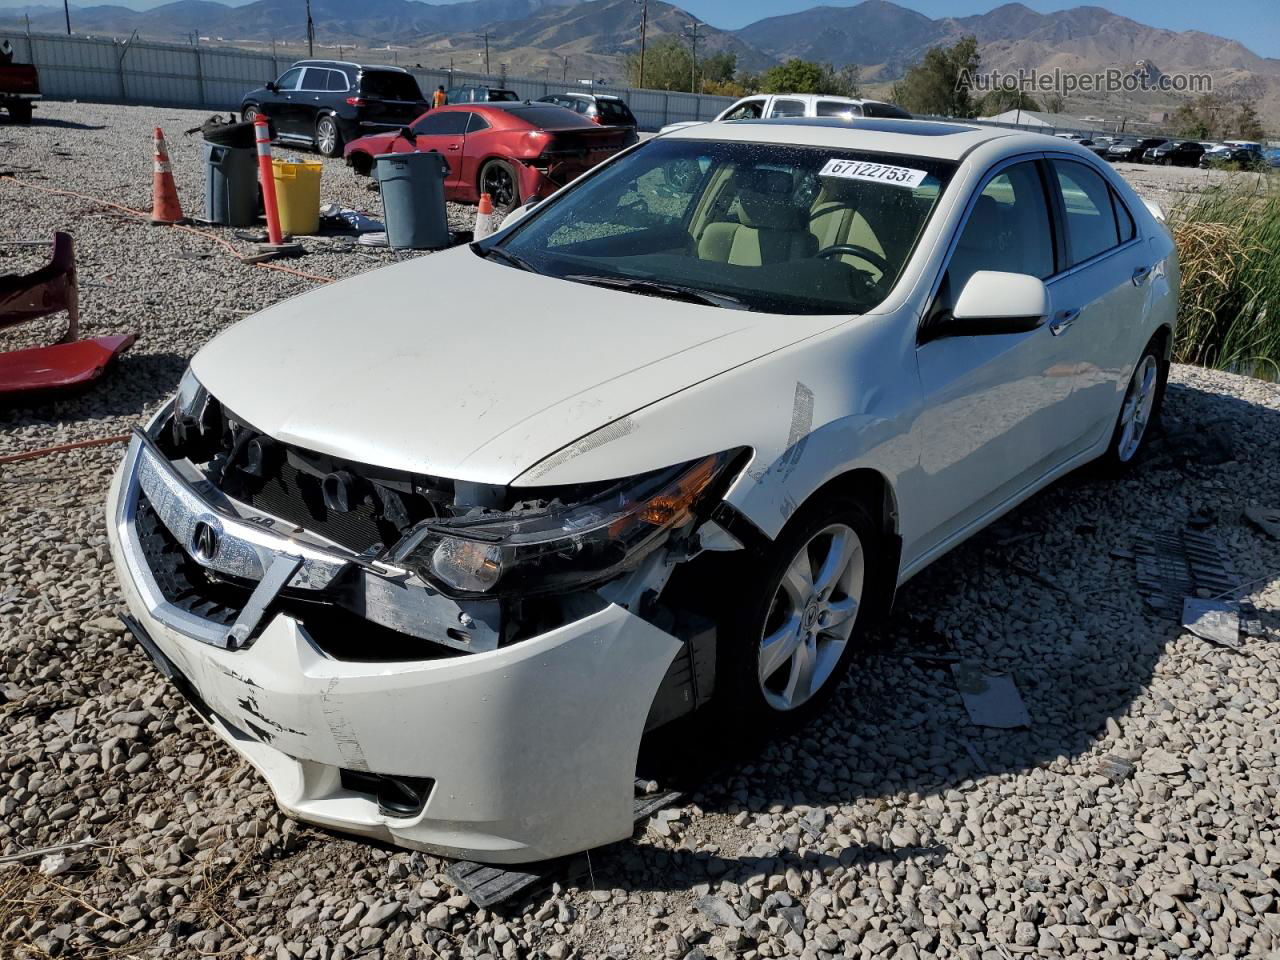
764, 200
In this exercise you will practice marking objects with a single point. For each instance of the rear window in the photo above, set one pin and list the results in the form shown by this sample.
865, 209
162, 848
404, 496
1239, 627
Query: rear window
388, 85
614, 111
502, 96
550, 116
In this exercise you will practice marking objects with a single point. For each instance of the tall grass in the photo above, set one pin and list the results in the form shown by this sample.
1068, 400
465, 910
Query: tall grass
1229, 249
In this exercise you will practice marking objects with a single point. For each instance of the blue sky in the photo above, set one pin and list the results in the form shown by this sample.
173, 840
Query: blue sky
1255, 23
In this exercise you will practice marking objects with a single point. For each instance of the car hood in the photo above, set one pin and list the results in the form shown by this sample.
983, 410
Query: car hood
461, 367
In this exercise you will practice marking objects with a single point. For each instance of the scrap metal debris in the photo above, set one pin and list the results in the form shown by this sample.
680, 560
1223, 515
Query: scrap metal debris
1224, 622
1266, 519
1171, 566
1116, 769
992, 700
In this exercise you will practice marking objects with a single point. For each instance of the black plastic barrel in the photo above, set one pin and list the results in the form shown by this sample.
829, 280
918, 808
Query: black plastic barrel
412, 187
231, 185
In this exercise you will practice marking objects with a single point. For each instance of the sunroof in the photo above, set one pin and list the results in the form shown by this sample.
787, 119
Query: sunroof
919, 128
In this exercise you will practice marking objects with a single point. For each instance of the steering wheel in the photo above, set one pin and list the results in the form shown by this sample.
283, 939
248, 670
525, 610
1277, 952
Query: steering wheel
857, 250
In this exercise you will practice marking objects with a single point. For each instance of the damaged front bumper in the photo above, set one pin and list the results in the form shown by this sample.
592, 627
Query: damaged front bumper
503, 754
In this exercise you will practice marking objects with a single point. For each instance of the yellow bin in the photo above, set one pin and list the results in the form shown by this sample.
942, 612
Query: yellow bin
298, 196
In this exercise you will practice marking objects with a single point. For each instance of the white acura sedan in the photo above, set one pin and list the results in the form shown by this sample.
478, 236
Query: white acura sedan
433, 547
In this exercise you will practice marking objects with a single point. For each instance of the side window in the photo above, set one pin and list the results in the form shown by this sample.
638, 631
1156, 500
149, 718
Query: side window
833, 108
1008, 230
315, 79
580, 106
442, 123
338, 81
1124, 219
787, 108
1090, 220
477, 123
289, 81
751, 110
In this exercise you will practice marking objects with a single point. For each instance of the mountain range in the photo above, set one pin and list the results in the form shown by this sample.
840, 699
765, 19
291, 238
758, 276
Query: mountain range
530, 36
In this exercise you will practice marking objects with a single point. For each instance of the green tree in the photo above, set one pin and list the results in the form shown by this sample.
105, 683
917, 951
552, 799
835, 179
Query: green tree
718, 68
804, 76
941, 83
1217, 117
668, 65
998, 101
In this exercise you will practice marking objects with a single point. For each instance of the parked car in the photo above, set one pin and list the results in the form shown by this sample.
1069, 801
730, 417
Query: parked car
326, 103
788, 105
512, 151
1272, 157
598, 108
19, 85
1247, 155
1131, 149
1100, 145
667, 441
481, 94
1175, 153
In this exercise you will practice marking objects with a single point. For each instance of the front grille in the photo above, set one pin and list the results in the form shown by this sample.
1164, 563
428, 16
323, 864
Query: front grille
295, 496
182, 581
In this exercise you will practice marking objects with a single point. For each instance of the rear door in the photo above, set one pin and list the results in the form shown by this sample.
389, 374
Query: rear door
1100, 301
390, 99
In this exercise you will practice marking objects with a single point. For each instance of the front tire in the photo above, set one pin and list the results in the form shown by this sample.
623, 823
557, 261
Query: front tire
20, 111
792, 623
498, 179
328, 137
1140, 412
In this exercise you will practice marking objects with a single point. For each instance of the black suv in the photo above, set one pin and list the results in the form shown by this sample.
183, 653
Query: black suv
325, 103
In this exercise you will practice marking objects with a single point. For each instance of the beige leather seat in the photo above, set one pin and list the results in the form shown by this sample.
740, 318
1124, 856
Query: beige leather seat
770, 228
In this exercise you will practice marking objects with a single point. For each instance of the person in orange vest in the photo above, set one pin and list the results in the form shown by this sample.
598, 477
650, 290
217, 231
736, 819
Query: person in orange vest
439, 98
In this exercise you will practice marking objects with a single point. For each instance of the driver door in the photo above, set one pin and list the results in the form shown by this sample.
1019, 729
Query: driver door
991, 406
443, 131
278, 103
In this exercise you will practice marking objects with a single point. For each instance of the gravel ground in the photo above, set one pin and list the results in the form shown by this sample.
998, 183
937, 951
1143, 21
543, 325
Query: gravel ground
892, 828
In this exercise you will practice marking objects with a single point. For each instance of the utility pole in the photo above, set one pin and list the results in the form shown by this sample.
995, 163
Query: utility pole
311, 32
564, 74
693, 48
644, 27
66, 10
485, 38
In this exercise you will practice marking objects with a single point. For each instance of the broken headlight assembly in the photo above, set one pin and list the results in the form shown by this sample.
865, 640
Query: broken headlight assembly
549, 545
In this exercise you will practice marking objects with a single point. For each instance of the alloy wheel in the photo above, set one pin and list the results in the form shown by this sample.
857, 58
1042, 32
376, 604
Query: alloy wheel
499, 185
1139, 400
327, 136
811, 617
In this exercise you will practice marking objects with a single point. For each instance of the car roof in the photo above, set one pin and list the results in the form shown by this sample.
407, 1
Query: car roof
347, 63
925, 138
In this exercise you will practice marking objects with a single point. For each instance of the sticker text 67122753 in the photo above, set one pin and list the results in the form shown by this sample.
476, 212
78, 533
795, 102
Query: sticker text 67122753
875, 172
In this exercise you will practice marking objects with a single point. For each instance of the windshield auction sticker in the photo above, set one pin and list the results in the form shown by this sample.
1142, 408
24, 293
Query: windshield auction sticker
875, 172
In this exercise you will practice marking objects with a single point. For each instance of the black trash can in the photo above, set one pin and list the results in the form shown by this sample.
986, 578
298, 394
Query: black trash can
413, 206
231, 185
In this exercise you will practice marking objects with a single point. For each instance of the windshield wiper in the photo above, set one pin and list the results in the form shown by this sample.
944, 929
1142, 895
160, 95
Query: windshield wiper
672, 291
505, 256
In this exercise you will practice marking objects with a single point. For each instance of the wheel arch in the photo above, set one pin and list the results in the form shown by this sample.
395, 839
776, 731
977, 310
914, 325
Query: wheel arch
1164, 337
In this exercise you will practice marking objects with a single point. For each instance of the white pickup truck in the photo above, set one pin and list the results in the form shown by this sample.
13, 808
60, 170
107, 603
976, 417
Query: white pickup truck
770, 105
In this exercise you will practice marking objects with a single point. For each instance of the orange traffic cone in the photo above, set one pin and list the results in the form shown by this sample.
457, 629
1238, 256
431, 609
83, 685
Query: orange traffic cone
165, 207
486, 222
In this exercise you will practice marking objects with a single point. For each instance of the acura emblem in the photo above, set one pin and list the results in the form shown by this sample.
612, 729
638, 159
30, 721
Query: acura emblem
204, 543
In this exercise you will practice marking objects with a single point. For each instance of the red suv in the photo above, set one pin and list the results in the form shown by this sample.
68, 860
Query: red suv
511, 151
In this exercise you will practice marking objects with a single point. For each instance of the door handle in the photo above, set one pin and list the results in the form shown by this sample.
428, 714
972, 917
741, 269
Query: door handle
1062, 323
1140, 275
453, 146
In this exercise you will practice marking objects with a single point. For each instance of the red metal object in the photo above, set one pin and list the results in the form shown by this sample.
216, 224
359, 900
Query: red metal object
546, 146
262, 133
42, 293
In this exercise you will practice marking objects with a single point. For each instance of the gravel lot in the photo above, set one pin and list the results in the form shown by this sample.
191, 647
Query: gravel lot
895, 828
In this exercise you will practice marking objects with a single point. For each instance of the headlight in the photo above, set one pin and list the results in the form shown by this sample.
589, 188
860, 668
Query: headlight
559, 546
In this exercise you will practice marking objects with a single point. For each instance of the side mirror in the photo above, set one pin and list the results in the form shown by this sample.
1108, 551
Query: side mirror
519, 212
993, 302
271, 86
408, 134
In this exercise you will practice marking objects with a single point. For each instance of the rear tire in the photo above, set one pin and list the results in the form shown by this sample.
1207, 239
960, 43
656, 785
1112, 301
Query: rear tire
361, 164
498, 179
20, 111
792, 613
328, 137
250, 114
